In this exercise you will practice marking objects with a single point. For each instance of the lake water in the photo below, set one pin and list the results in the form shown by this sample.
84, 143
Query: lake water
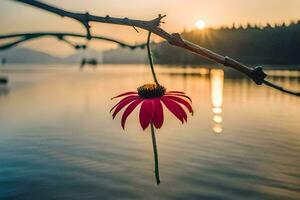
58, 141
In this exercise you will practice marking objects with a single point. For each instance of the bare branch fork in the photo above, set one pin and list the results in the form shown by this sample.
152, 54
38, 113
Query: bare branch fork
23, 37
256, 74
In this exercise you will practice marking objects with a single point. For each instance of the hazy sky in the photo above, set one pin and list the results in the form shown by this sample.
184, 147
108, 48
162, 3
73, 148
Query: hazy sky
17, 17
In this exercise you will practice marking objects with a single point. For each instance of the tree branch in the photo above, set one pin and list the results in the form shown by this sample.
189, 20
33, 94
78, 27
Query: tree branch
61, 36
151, 25
256, 74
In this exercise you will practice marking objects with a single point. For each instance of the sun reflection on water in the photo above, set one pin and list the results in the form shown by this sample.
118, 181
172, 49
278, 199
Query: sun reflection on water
217, 80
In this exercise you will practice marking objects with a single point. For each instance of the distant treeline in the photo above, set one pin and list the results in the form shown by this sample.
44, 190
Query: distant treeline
278, 44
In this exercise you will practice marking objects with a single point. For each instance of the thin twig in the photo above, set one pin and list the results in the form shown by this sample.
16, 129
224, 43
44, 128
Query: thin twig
155, 154
153, 26
150, 58
61, 36
280, 88
12, 44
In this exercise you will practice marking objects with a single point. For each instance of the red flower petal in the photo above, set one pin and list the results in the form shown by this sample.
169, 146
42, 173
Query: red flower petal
183, 113
158, 115
180, 95
174, 108
124, 94
129, 110
183, 102
125, 98
146, 113
122, 105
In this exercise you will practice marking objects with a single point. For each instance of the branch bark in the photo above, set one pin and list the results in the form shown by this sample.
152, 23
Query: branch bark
256, 74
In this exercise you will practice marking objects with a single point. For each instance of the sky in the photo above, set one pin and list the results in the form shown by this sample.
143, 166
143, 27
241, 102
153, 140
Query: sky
181, 14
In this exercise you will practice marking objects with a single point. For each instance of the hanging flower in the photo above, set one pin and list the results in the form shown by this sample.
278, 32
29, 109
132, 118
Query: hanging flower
152, 97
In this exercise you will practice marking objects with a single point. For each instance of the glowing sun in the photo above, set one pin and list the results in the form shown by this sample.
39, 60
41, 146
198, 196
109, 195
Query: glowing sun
200, 24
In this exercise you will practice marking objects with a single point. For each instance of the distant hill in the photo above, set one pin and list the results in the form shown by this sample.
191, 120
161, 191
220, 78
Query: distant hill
125, 56
79, 55
28, 56
113, 56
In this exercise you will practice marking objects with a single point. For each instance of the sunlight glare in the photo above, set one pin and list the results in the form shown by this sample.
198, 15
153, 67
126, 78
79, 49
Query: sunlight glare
200, 24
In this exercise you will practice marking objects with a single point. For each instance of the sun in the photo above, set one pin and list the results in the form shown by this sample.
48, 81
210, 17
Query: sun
200, 24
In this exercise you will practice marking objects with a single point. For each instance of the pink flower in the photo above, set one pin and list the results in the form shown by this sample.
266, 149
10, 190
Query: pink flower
152, 97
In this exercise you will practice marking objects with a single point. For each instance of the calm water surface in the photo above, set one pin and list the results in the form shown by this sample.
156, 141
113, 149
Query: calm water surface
58, 141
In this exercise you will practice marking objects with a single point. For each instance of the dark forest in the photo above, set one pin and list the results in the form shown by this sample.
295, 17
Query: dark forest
278, 44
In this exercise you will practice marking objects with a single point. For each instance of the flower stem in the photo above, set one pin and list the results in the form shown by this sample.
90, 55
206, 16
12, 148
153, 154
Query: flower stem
150, 58
155, 154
